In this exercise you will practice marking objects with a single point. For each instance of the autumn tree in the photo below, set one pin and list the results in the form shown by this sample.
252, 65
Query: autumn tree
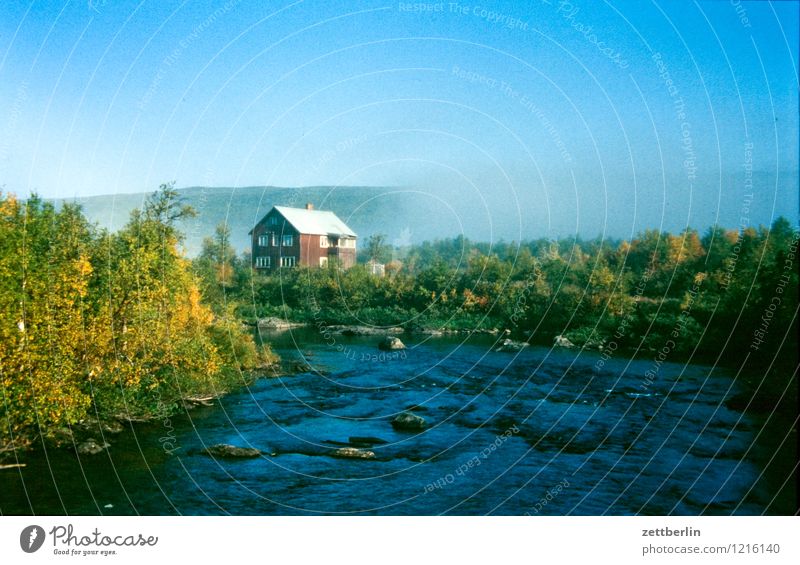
105, 324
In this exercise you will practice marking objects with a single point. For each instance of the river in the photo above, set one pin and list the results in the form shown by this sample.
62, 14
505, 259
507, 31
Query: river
539, 432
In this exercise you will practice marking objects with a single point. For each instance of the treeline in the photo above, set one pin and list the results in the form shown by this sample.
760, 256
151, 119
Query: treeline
99, 325
719, 296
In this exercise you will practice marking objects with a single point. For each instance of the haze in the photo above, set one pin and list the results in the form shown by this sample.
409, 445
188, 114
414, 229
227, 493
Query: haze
502, 120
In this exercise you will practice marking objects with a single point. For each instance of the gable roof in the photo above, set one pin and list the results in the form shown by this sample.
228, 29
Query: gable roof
315, 222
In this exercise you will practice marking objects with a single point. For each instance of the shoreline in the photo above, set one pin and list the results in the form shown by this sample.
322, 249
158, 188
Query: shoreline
699, 357
100, 431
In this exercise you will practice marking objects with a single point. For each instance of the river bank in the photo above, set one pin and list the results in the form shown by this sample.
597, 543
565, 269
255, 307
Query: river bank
92, 436
584, 339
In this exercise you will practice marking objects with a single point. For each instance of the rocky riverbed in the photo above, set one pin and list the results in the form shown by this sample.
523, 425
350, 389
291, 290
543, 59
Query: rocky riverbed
449, 426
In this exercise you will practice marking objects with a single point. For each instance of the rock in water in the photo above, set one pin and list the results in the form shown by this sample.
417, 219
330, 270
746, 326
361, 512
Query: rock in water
562, 341
274, 323
510, 345
353, 453
63, 436
112, 427
409, 422
363, 330
391, 343
231, 451
91, 447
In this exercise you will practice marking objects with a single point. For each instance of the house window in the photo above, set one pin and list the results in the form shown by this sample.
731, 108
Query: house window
287, 261
273, 220
323, 261
262, 262
263, 240
288, 240
347, 243
323, 241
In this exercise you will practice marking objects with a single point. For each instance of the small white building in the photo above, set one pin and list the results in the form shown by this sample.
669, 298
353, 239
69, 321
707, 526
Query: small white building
376, 268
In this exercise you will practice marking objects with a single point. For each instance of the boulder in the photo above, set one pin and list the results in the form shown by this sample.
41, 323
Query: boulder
274, 323
509, 345
562, 341
112, 427
91, 447
225, 450
63, 436
363, 330
300, 367
391, 343
92, 427
352, 453
408, 422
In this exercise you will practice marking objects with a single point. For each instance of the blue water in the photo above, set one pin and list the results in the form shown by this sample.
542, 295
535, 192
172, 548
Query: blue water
540, 432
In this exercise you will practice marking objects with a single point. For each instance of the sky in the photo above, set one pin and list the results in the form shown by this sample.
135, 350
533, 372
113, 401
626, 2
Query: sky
505, 119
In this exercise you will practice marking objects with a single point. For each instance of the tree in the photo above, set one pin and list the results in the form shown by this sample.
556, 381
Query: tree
377, 250
104, 324
43, 343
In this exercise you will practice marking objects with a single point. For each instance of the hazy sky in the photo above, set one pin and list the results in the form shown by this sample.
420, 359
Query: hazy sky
547, 117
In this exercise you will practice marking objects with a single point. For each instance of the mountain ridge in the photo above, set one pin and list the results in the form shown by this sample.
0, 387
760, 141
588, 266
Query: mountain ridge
240, 208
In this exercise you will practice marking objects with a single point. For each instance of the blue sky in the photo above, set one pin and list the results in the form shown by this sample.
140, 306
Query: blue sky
515, 109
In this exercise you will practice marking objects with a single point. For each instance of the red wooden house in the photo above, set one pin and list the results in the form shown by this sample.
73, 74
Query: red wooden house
286, 237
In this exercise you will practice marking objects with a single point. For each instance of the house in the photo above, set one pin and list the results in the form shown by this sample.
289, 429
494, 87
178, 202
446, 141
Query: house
286, 237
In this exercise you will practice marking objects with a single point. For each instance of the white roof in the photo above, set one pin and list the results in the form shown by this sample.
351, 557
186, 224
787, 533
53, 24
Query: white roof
315, 222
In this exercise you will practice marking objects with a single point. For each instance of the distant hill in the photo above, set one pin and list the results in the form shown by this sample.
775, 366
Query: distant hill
366, 210
409, 215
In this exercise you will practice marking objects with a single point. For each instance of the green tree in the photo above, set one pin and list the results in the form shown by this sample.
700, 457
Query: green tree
377, 249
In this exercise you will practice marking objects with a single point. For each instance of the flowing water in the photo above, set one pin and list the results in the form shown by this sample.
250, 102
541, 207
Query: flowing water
536, 432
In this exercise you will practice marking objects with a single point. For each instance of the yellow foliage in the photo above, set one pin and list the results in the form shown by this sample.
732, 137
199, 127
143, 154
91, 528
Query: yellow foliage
114, 320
